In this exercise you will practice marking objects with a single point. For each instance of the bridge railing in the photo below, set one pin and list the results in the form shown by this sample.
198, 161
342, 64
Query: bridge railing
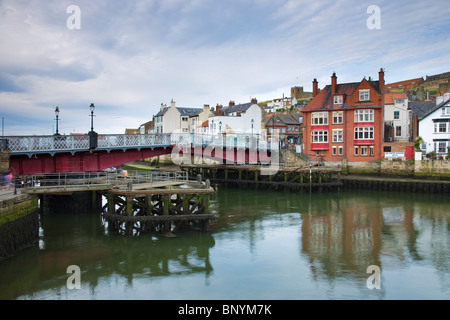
57, 143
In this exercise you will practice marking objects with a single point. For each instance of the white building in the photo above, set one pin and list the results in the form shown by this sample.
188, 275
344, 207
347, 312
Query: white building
434, 127
396, 117
180, 119
242, 118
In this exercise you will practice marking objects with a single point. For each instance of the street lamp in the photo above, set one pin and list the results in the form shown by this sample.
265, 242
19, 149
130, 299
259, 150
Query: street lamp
92, 107
57, 118
93, 141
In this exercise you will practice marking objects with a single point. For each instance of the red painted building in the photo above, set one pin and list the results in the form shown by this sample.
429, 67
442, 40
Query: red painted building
345, 121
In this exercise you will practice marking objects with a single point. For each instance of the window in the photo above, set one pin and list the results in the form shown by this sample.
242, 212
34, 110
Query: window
446, 111
337, 100
184, 118
398, 131
338, 117
289, 128
364, 133
441, 147
318, 118
364, 95
319, 136
338, 135
441, 127
185, 130
365, 115
371, 151
193, 120
334, 151
341, 150
399, 101
364, 151
356, 151
396, 115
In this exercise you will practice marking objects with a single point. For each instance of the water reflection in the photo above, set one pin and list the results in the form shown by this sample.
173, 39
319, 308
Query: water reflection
274, 245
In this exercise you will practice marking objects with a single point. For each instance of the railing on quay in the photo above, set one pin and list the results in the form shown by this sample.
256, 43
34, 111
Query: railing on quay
95, 179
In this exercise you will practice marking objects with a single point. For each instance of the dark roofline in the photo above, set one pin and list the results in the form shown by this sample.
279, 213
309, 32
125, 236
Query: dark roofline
434, 109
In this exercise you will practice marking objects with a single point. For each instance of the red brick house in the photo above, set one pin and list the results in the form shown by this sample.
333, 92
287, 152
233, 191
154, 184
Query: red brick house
345, 121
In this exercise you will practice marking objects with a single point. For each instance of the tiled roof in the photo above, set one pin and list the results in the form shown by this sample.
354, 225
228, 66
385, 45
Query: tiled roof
324, 99
404, 83
389, 97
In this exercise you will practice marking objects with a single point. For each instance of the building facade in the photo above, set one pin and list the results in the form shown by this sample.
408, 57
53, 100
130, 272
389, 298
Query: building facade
345, 121
434, 127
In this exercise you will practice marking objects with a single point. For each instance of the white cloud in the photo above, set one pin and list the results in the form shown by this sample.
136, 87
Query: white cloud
128, 57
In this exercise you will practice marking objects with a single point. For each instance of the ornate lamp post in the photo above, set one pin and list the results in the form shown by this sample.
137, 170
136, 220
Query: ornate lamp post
93, 141
57, 118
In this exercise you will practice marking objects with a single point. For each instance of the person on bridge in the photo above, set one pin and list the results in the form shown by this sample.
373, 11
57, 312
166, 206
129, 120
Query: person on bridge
7, 178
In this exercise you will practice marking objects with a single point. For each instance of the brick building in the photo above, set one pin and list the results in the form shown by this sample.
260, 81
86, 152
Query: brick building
345, 121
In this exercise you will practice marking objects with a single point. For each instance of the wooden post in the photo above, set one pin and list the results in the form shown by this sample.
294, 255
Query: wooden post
149, 205
129, 206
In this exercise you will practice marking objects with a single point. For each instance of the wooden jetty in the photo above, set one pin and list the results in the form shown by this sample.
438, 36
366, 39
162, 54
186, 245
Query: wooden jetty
166, 208
299, 179
164, 202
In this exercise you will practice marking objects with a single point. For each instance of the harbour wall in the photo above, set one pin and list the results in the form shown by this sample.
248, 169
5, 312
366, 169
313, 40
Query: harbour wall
19, 224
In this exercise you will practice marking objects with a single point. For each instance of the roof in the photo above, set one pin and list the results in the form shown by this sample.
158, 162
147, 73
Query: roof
189, 111
420, 108
282, 120
205, 123
433, 109
324, 99
237, 108
184, 111
404, 83
390, 96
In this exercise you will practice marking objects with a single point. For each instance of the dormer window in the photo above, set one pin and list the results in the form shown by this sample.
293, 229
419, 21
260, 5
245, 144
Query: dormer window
337, 99
364, 95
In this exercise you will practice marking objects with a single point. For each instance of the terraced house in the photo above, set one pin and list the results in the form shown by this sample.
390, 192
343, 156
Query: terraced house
345, 121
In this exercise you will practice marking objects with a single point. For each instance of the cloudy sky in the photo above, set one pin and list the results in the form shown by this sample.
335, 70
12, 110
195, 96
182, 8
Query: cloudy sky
128, 57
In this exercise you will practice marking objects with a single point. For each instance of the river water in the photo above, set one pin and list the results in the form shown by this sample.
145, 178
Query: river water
263, 245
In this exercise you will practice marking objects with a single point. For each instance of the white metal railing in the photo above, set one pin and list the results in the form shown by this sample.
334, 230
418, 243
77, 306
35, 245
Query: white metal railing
56, 143
101, 178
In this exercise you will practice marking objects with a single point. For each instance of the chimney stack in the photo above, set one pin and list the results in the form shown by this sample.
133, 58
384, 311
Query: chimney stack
231, 103
381, 79
254, 101
172, 103
333, 83
315, 88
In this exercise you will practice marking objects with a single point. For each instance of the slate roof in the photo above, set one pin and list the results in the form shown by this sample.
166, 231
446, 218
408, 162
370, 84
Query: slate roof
237, 108
184, 111
436, 107
421, 108
282, 120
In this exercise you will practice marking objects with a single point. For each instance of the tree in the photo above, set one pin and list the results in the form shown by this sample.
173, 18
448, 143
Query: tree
417, 143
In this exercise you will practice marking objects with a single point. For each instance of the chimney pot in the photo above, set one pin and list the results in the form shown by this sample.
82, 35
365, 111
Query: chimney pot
333, 83
315, 87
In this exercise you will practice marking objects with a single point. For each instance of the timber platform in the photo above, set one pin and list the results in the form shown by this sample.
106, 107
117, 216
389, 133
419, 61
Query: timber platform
135, 203
300, 179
